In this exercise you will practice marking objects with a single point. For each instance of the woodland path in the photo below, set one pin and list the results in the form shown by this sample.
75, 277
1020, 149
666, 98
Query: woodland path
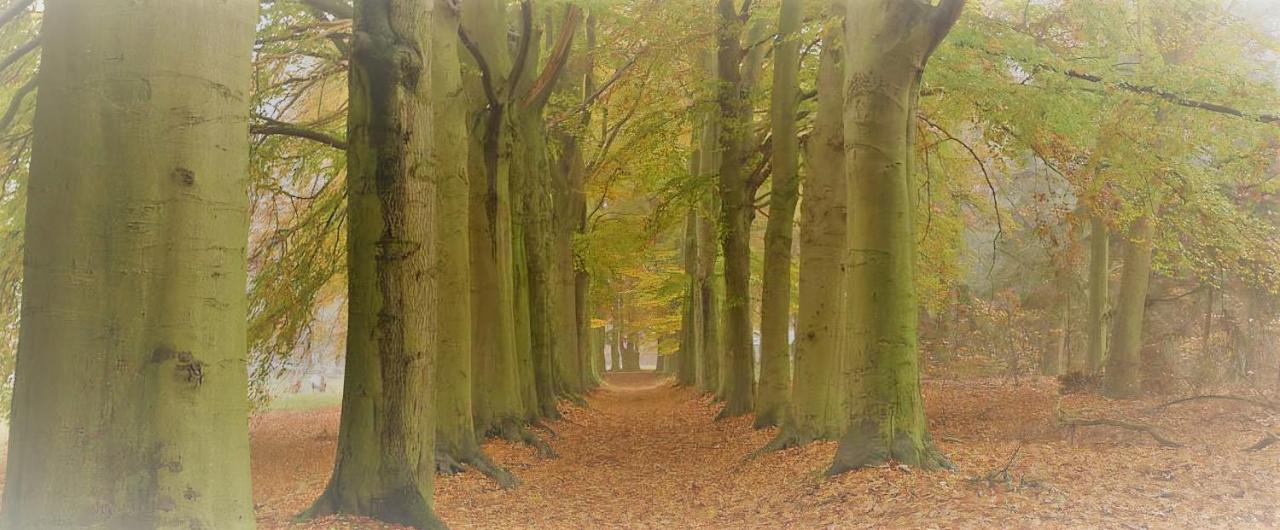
646, 454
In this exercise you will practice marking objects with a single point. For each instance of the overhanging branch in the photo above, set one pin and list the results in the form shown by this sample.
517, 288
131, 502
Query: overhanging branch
296, 131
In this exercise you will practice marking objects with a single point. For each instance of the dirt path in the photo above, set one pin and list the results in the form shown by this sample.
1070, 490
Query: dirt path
644, 455
648, 455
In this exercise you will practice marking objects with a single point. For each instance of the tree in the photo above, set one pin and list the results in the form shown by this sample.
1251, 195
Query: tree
456, 442
129, 406
738, 370
775, 305
887, 43
385, 460
817, 401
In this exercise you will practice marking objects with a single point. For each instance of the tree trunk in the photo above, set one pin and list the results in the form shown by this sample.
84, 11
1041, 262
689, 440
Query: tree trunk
735, 215
497, 404
385, 458
631, 353
456, 440
129, 406
774, 390
1099, 274
690, 356
817, 406
615, 351
887, 43
1123, 377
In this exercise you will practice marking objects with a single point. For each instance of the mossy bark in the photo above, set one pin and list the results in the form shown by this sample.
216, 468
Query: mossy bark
1099, 277
691, 329
129, 405
1123, 376
738, 370
385, 456
774, 389
817, 404
887, 43
497, 404
457, 443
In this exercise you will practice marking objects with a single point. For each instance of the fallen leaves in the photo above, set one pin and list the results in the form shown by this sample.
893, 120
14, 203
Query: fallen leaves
648, 455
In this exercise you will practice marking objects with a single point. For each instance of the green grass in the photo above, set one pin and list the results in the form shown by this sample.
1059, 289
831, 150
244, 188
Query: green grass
307, 400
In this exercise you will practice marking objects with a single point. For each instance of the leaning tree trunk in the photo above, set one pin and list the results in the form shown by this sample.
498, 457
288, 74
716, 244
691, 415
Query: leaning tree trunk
456, 441
1123, 375
385, 458
129, 406
887, 43
735, 215
774, 390
817, 403
1099, 273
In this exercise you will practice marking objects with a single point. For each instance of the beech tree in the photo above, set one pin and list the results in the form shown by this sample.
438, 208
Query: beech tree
386, 440
887, 43
130, 400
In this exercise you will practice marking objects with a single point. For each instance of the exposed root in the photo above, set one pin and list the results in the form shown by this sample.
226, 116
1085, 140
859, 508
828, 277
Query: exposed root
1154, 433
545, 427
402, 507
1266, 441
864, 445
1263, 404
447, 464
786, 438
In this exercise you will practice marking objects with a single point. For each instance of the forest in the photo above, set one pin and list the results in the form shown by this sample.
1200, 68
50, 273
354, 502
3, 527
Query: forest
291, 264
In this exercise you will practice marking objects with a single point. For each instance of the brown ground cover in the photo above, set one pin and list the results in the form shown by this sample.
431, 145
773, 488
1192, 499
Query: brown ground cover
648, 455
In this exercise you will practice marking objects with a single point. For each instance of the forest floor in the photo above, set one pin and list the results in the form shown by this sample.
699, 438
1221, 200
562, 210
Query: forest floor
646, 454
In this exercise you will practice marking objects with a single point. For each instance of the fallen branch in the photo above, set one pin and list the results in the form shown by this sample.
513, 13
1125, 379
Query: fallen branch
1139, 427
1263, 404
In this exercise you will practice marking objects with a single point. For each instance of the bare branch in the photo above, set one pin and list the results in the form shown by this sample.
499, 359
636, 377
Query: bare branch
15, 9
297, 131
19, 53
15, 104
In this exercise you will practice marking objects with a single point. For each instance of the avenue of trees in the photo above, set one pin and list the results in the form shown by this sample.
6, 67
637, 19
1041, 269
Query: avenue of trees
801, 207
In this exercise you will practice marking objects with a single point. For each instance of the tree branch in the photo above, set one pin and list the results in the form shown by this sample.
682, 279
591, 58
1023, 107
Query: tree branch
540, 92
15, 104
296, 131
15, 9
19, 53
1150, 90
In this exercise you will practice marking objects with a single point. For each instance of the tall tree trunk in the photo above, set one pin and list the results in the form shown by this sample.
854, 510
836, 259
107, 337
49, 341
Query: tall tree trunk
615, 351
385, 458
1123, 376
690, 356
711, 352
887, 43
456, 440
817, 405
129, 405
1099, 274
735, 214
774, 390
497, 402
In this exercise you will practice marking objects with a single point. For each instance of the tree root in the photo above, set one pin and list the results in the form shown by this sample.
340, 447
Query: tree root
447, 464
864, 445
1154, 433
1266, 441
404, 508
514, 431
786, 438
1263, 404
538, 424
